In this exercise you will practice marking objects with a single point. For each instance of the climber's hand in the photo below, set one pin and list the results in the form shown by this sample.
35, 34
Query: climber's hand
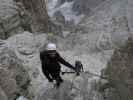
50, 80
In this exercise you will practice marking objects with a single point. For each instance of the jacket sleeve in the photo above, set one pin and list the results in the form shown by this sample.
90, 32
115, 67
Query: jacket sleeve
42, 58
44, 70
62, 61
46, 73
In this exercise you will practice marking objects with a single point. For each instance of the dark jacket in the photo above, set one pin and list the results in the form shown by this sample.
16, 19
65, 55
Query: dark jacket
52, 65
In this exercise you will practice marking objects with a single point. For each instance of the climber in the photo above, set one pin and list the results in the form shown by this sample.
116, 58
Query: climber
51, 60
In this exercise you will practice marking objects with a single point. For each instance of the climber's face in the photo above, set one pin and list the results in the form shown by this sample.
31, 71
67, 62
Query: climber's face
52, 53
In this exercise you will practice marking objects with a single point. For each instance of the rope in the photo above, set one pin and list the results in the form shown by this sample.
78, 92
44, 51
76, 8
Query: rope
107, 78
102, 77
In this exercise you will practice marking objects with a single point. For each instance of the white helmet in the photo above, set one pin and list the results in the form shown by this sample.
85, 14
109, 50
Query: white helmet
51, 46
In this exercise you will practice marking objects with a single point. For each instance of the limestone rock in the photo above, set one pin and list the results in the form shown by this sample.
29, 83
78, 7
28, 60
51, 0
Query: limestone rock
2, 95
104, 42
110, 19
85, 6
129, 15
27, 47
14, 79
59, 18
119, 73
9, 19
80, 88
26, 44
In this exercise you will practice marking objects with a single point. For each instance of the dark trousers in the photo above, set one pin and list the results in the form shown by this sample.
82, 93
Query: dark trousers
53, 76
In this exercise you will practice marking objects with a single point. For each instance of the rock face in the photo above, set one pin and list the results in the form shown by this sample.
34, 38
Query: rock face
9, 19
26, 47
80, 88
107, 28
120, 73
59, 17
14, 79
60, 2
13, 18
129, 15
85, 6
40, 19
2, 95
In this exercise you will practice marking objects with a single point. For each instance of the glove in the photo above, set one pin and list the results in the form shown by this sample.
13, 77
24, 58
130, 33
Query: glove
50, 80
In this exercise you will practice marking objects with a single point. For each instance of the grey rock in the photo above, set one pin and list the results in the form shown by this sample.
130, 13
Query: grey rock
85, 6
27, 47
59, 17
119, 72
104, 42
9, 19
130, 14
25, 43
109, 19
62, 93
60, 2
80, 88
2, 95
14, 79
65, 34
